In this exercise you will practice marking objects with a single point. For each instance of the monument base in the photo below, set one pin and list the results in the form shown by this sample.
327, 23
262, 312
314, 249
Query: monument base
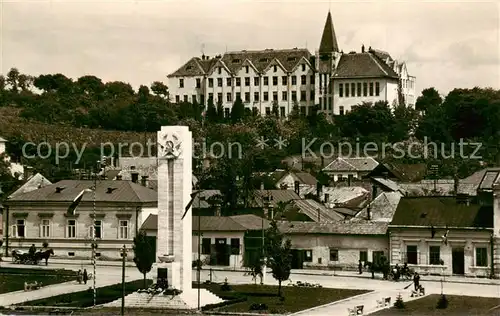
169, 271
187, 300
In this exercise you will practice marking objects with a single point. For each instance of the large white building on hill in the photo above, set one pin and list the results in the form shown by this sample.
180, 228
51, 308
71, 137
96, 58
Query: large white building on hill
332, 79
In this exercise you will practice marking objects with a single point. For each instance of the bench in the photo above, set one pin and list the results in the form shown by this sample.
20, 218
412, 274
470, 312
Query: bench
32, 286
358, 310
420, 292
387, 301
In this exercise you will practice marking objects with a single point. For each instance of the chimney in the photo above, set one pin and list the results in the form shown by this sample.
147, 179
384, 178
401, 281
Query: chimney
349, 179
363, 48
319, 216
319, 189
119, 177
369, 212
144, 181
327, 197
297, 187
322, 162
374, 191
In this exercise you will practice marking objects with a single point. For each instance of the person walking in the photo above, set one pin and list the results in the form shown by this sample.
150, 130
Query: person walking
360, 267
416, 281
79, 276
85, 276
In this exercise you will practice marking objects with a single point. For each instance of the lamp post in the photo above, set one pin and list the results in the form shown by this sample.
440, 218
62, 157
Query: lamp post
124, 256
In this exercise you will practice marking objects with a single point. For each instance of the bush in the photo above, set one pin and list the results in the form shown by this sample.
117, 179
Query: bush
258, 307
443, 302
399, 304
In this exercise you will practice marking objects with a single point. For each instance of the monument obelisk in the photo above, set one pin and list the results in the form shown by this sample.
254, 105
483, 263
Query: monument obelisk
174, 236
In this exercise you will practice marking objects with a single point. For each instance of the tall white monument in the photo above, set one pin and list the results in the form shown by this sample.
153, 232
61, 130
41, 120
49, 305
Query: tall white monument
174, 237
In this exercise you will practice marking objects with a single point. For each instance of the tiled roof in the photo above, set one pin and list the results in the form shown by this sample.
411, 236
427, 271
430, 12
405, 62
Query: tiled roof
347, 212
123, 192
352, 164
34, 183
334, 228
382, 208
407, 172
363, 65
315, 209
441, 212
428, 188
387, 183
216, 223
490, 178
306, 178
207, 196
328, 42
277, 196
382, 54
344, 195
261, 59
477, 176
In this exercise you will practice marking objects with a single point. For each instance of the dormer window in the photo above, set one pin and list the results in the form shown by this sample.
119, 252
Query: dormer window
59, 189
246, 69
236, 61
303, 67
275, 68
263, 60
189, 67
219, 70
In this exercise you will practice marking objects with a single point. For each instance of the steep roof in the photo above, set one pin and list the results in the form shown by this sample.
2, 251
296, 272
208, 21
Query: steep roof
334, 228
277, 196
344, 195
235, 223
441, 212
34, 183
387, 183
363, 65
261, 59
315, 209
382, 208
352, 164
328, 42
306, 178
123, 192
440, 187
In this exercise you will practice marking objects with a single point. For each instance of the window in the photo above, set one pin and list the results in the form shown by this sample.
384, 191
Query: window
334, 255
19, 229
238, 95
377, 256
377, 88
312, 95
294, 80
303, 67
365, 89
341, 90
235, 246
229, 97
247, 81
308, 256
294, 95
219, 97
227, 113
481, 257
284, 80
268, 110
266, 96
177, 99
353, 89
211, 96
266, 81
303, 79
341, 110
219, 82
228, 82
238, 81
275, 95
256, 81
123, 229
359, 89
275, 68
210, 82
45, 228
246, 69
371, 89
186, 99
181, 83
256, 96
247, 96
303, 96
312, 79
71, 228
135, 177
193, 97
363, 256
411, 254
275, 81
98, 229
219, 70
205, 246
346, 89
434, 255
282, 111
284, 95
198, 83
303, 110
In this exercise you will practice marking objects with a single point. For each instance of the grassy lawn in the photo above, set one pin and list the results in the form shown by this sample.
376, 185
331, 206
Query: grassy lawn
85, 298
12, 279
458, 305
296, 298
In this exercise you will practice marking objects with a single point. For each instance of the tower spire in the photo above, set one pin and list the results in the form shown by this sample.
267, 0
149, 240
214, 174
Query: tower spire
328, 39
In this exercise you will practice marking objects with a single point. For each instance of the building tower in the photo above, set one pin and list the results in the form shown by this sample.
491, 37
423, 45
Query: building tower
327, 58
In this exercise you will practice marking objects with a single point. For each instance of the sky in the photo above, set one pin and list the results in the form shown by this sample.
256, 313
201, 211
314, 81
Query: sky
446, 44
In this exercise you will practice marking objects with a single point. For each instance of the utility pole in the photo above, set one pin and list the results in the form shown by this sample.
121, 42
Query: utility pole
94, 242
124, 256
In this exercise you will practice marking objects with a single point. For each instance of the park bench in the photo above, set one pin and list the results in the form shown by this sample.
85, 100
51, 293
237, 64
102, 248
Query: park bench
387, 301
32, 286
358, 310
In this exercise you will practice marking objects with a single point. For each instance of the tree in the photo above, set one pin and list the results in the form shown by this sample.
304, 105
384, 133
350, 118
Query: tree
211, 111
429, 99
275, 109
144, 254
160, 89
278, 253
238, 111
220, 111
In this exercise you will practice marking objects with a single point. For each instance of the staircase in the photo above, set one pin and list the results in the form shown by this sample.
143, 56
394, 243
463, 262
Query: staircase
187, 300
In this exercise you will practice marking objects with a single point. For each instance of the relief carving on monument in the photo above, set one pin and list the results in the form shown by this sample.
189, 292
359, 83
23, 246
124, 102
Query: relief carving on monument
169, 147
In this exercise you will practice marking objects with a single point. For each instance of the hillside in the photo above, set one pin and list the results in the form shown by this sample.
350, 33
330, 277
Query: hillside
13, 127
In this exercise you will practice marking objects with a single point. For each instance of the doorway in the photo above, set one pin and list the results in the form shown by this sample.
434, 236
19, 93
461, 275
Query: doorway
222, 252
457, 259
297, 259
